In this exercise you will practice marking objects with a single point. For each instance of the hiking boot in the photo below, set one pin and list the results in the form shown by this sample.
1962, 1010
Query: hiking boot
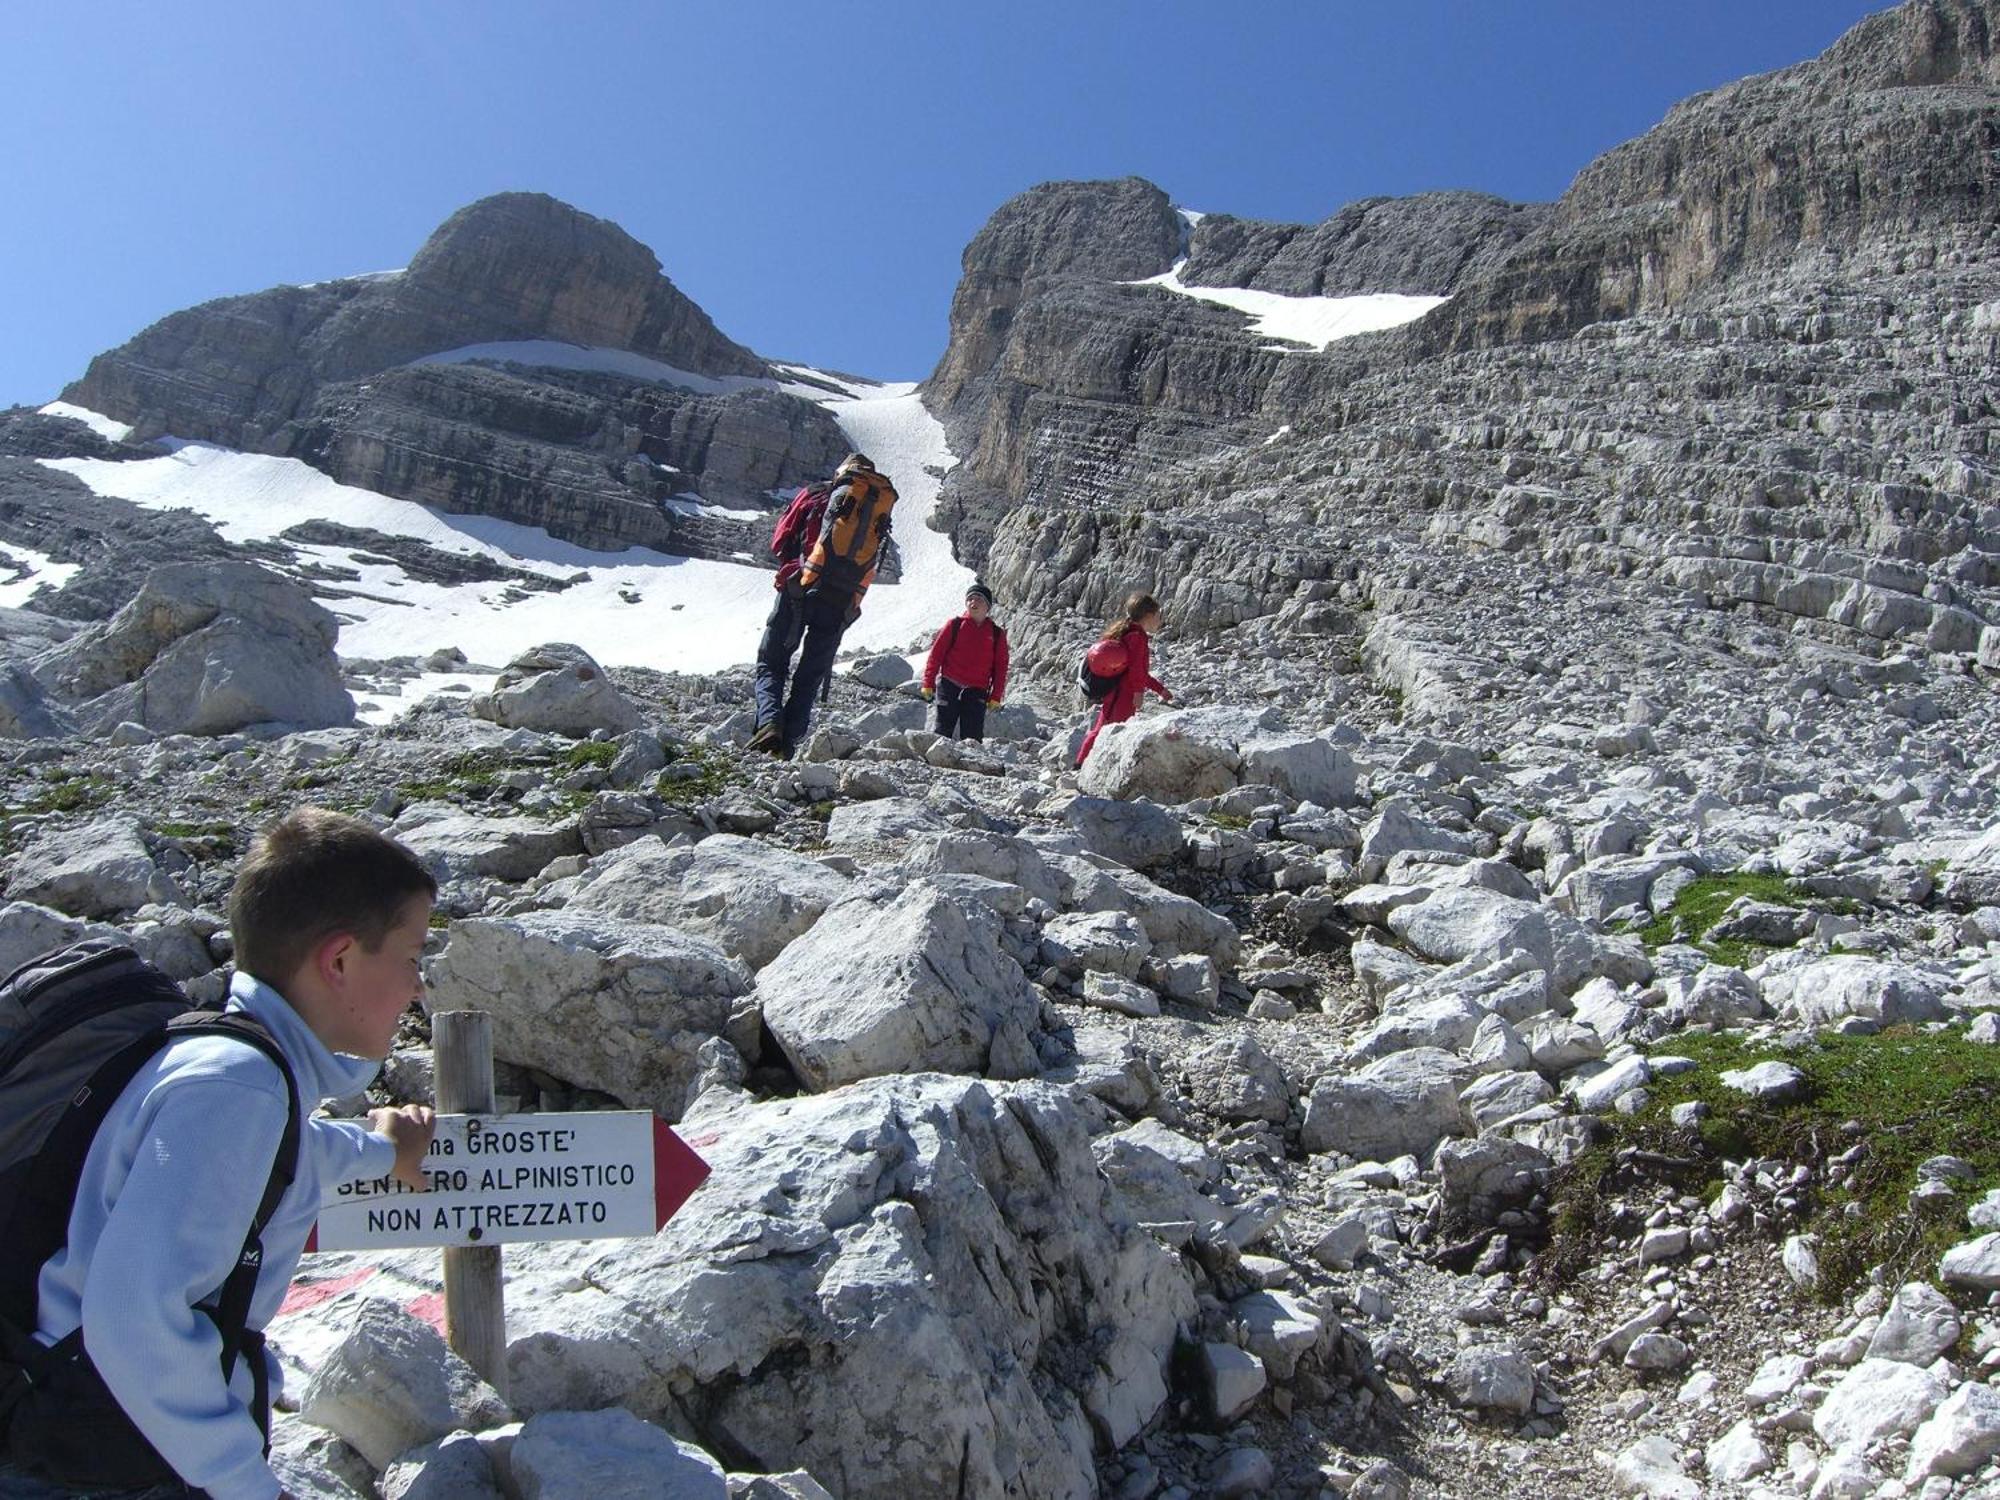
765, 736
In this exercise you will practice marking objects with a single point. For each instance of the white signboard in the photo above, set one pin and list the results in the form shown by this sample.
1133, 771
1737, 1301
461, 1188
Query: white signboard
496, 1179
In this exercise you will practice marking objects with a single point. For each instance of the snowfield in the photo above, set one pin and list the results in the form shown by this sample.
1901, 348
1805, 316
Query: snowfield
636, 608
23, 570
553, 354
1318, 321
97, 422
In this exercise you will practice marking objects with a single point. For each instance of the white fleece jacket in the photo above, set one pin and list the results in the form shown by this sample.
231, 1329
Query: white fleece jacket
167, 1194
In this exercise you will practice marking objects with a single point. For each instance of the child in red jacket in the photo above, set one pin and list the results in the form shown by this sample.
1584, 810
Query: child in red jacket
967, 668
1134, 629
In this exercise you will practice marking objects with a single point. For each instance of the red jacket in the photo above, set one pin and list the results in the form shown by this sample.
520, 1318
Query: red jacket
1138, 678
972, 653
796, 529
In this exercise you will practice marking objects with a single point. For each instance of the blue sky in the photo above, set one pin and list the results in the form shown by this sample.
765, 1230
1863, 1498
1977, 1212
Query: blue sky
809, 173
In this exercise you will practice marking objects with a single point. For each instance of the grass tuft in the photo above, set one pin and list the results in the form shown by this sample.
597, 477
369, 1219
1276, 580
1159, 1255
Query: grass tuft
1705, 902
1903, 1096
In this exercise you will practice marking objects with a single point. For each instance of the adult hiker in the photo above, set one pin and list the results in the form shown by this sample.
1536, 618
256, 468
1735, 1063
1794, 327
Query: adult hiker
1133, 630
828, 544
967, 668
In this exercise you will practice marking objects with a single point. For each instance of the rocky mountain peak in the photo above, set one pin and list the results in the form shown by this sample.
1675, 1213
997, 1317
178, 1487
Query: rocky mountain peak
1123, 230
1923, 43
557, 427
510, 268
1886, 136
532, 266
1426, 243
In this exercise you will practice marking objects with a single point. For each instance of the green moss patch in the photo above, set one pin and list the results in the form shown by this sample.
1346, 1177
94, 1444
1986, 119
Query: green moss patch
589, 753
1902, 1096
1706, 901
473, 772
696, 774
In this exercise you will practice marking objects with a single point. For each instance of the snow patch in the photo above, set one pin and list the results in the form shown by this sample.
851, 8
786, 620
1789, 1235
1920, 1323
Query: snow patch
23, 570
96, 421
384, 702
694, 505
814, 384
1318, 321
369, 276
637, 607
553, 354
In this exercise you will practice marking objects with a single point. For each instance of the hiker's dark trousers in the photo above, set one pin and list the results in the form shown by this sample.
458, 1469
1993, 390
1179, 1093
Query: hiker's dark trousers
824, 622
774, 654
961, 711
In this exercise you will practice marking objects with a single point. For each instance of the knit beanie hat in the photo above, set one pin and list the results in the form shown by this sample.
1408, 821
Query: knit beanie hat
980, 591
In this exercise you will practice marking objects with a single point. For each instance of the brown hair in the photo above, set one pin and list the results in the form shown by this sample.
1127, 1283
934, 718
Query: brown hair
855, 461
312, 874
1137, 607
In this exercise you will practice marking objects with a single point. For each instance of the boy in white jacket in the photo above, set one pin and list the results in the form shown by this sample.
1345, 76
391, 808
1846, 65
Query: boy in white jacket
329, 920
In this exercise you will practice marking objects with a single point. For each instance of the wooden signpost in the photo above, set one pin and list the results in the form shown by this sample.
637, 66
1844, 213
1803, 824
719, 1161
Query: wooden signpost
499, 1179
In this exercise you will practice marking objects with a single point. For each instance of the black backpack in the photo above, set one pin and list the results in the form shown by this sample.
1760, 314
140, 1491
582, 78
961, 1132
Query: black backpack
76, 1025
1095, 689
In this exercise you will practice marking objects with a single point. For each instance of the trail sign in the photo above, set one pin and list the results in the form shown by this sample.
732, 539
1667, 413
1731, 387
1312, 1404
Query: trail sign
500, 1179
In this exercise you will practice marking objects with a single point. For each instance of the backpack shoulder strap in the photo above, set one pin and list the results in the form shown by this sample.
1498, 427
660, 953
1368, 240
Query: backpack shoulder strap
38, 1224
232, 1305
951, 642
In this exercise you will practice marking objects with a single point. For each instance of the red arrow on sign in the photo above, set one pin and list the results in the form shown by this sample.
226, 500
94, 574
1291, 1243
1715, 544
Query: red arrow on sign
677, 1172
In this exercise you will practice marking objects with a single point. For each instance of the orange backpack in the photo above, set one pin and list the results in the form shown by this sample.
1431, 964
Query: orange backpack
852, 534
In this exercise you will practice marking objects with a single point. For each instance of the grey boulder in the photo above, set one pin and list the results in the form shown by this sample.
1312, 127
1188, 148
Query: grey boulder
90, 869
592, 1455
918, 985
1493, 1377
28, 930
1921, 1324
1172, 757
1962, 1434
1974, 1264
556, 688
625, 1007
1138, 833
1831, 990
1307, 768
1401, 1104
204, 648
455, 845
391, 1385
913, 1286
753, 898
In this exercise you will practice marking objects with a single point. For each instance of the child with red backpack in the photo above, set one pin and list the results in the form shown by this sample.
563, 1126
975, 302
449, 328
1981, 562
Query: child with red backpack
967, 668
1123, 658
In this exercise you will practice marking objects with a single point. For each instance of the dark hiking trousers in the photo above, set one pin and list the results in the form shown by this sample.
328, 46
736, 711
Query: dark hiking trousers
774, 654
825, 621
961, 711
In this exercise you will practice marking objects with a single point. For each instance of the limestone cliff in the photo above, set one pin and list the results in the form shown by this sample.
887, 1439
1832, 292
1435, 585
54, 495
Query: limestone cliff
1741, 364
325, 373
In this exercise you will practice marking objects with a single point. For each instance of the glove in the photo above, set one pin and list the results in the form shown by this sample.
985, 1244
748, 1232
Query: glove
992, 702
929, 693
